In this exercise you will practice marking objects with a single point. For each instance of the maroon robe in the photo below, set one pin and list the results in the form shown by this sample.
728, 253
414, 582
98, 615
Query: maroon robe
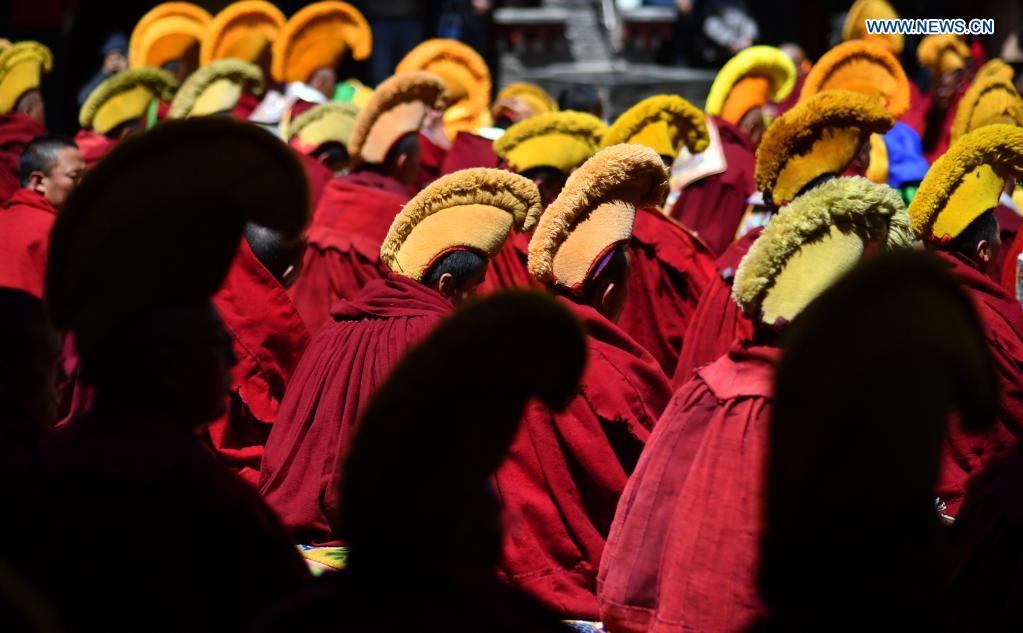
25, 222
938, 134
319, 176
509, 267
16, 131
1009, 254
718, 321
268, 338
349, 225
1002, 318
1008, 226
93, 146
560, 483
469, 150
713, 206
431, 158
683, 550
344, 364
670, 269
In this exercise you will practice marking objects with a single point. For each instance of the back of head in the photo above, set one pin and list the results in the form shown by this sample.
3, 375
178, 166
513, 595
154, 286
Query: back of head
281, 257
28, 355
581, 98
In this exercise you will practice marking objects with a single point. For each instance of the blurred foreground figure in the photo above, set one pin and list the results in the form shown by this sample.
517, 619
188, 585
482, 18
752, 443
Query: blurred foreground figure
419, 472
844, 546
132, 473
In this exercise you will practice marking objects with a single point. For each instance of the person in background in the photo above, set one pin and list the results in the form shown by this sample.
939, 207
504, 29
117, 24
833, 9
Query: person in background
581, 98
398, 25
946, 57
115, 59
22, 111
726, 27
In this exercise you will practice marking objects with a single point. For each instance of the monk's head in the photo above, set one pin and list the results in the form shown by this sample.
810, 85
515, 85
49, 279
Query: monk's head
281, 258
333, 156
980, 242
401, 161
31, 105
324, 80
607, 288
28, 359
51, 166
457, 275
549, 180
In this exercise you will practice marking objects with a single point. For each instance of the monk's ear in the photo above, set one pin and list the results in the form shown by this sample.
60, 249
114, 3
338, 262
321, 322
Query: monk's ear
35, 182
607, 296
446, 286
985, 252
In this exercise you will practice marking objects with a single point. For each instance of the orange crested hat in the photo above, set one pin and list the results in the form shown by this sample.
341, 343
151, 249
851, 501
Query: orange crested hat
466, 80
319, 36
244, 30
861, 66
752, 78
168, 32
855, 26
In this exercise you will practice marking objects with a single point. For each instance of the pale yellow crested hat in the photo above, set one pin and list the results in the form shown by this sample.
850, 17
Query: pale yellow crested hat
466, 80
594, 213
664, 123
397, 107
321, 124
813, 241
536, 99
125, 97
168, 32
472, 209
562, 140
319, 36
942, 53
992, 99
244, 30
22, 66
216, 88
855, 26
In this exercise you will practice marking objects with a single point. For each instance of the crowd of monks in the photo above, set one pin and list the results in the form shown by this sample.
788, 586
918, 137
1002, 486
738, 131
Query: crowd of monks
285, 352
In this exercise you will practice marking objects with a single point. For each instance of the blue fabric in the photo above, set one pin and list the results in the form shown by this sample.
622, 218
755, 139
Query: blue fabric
906, 162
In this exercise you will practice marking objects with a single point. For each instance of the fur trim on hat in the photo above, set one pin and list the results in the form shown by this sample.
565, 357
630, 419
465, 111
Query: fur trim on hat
160, 82
929, 51
236, 70
21, 52
876, 211
862, 10
994, 93
532, 90
832, 70
690, 121
319, 112
244, 13
994, 67
579, 124
766, 61
407, 86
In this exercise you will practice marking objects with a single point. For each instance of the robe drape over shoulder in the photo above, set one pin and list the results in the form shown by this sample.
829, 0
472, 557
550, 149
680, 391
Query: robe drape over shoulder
319, 176
26, 219
469, 150
348, 227
508, 269
560, 483
268, 338
1002, 317
684, 546
16, 131
670, 270
345, 362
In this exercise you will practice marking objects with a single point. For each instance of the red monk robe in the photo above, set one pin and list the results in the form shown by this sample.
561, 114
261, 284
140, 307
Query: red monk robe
560, 483
431, 158
938, 133
509, 269
93, 146
684, 546
16, 131
348, 227
1009, 254
1009, 221
319, 176
670, 269
712, 207
469, 150
718, 321
25, 222
268, 338
343, 365
1003, 324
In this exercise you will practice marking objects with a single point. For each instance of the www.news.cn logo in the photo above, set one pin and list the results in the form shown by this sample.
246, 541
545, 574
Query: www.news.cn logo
931, 26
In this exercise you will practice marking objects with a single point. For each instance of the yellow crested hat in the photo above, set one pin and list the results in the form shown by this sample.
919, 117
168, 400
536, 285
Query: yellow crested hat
988, 100
995, 67
820, 135
536, 99
22, 66
397, 107
942, 53
472, 209
813, 241
244, 30
663, 123
466, 79
966, 181
215, 88
594, 213
318, 36
168, 32
855, 26
750, 79
861, 66
324, 123
125, 97
562, 140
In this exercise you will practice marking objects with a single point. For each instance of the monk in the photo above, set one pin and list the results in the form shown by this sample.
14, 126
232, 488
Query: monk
356, 210
946, 57
22, 108
437, 251
49, 169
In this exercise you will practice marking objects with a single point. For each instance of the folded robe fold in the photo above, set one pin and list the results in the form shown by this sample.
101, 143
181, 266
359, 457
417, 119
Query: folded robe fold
26, 219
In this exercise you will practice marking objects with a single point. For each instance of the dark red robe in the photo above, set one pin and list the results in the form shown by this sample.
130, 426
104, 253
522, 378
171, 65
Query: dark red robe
718, 321
670, 269
916, 116
16, 131
1009, 254
469, 150
509, 267
25, 222
560, 483
319, 176
1003, 324
431, 158
349, 225
1008, 226
268, 338
713, 206
93, 146
683, 550
938, 133
345, 362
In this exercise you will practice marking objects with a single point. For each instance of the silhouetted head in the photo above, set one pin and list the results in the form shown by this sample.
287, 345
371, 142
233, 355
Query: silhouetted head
549, 180
980, 242
51, 166
31, 104
581, 98
607, 289
402, 160
29, 348
282, 258
334, 157
457, 275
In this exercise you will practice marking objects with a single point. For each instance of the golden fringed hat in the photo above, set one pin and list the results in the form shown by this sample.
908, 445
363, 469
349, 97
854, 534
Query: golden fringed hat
820, 135
22, 66
168, 32
244, 30
995, 67
170, 204
663, 123
594, 213
877, 166
855, 26
321, 124
466, 78
215, 88
988, 100
535, 98
750, 79
562, 140
319, 36
966, 181
124, 97
942, 53
861, 66
397, 107
813, 241
472, 209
